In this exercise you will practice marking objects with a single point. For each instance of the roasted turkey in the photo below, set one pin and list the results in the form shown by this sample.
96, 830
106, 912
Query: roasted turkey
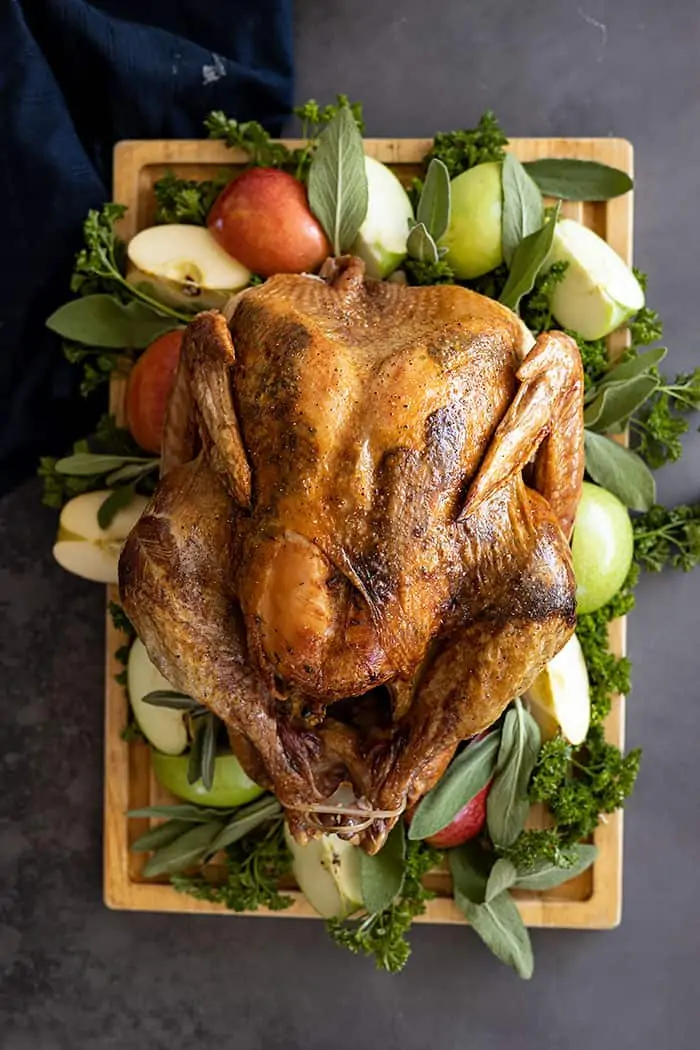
358, 551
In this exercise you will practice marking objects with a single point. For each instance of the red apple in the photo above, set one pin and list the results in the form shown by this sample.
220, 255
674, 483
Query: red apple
263, 220
467, 824
150, 383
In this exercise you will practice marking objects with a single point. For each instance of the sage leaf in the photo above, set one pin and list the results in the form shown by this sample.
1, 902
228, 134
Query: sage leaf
420, 245
116, 501
619, 470
545, 876
502, 876
184, 851
470, 869
500, 926
523, 210
637, 365
464, 778
172, 699
103, 321
433, 210
578, 180
88, 464
616, 403
507, 805
208, 751
246, 820
161, 835
182, 811
131, 471
338, 191
527, 261
382, 876
194, 766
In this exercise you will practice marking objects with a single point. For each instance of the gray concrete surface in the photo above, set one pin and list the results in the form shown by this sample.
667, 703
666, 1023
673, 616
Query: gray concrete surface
78, 977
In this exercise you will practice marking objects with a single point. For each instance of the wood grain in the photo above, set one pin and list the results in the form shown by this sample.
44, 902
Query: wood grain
594, 899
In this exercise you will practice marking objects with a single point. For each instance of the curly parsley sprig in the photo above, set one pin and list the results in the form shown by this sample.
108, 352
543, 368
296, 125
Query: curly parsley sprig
253, 869
265, 152
668, 536
383, 936
187, 201
461, 150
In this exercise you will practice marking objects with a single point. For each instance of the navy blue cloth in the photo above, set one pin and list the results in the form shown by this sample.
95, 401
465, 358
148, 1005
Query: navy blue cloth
75, 78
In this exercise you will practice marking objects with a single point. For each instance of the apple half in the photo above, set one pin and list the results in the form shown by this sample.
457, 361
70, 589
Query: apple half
185, 265
327, 871
162, 726
599, 291
560, 695
85, 549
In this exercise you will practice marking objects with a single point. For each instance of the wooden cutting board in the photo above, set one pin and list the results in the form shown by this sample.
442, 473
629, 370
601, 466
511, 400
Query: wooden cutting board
592, 900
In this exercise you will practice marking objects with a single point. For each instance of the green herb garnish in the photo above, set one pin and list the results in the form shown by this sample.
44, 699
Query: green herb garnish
668, 536
570, 179
60, 484
187, 200
461, 150
523, 210
253, 869
383, 935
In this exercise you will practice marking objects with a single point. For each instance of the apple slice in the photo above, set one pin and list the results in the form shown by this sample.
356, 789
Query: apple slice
327, 871
599, 292
162, 727
186, 265
85, 549
560, 695
381, 242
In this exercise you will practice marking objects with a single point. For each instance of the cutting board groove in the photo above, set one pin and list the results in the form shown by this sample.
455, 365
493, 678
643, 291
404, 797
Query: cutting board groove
593, 900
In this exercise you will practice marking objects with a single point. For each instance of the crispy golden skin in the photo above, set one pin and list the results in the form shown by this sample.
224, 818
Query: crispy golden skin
343, 559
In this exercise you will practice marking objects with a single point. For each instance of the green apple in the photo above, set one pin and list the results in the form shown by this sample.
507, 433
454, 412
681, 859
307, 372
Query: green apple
231, 787
473, 238
87, 550
327, 871
162, 726
602, 547
560, 695
185, 265
598, 292
381, 241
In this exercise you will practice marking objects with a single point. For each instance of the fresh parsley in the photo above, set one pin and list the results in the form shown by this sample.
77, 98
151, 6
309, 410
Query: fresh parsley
662, 421
540, 845
383, 936
668, 536
264, 152
100, 265
187, 200
607, 674
429, 272
251, 878
461, 150
578, 784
